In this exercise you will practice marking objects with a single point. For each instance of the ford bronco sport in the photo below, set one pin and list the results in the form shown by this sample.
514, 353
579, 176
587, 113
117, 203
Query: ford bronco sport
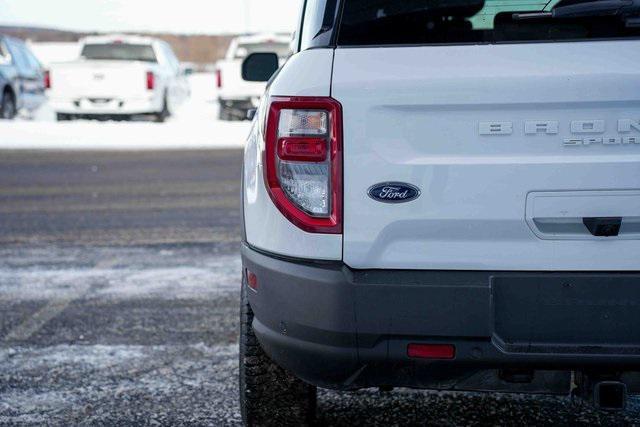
444, 194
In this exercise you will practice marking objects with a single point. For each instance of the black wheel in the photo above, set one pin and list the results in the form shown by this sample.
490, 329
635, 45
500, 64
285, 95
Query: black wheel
225, 113
8, 108
62, 117
269, 395
163, 115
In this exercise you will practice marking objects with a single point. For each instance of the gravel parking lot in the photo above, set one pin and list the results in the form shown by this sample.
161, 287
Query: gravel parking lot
119, 285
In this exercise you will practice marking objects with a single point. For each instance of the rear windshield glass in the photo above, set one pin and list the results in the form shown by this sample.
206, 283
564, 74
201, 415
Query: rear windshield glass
385, 22
119, 52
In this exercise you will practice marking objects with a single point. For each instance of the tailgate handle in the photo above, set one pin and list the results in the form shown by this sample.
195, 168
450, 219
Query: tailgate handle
603, 227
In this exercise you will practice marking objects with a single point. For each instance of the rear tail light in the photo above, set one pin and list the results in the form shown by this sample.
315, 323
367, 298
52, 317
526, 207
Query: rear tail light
303, 162
218, 78
151, 80
47, 79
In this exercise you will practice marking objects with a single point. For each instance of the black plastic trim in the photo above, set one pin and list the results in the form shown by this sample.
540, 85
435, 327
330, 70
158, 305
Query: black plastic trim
515, 42
294, 260
342, 328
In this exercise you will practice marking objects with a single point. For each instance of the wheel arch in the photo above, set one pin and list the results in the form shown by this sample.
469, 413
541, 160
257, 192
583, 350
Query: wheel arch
7, 88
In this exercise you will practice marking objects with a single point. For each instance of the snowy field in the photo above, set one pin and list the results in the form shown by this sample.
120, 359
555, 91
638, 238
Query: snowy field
194, 126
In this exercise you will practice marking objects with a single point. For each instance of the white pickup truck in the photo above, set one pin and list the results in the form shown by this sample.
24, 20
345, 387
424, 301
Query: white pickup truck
117, 77
235, 95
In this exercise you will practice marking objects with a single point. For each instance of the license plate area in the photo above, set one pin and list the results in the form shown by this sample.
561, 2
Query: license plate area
582, 313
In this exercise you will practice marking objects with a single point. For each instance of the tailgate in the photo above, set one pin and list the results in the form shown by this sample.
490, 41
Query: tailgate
99, 79
234, 86
511, 147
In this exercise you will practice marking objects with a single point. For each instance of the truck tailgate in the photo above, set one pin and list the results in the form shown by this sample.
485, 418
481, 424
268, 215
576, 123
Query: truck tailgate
99, 79
485, 132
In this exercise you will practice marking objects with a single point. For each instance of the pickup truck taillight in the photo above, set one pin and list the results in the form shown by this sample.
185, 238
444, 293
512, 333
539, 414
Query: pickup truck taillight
47, 79
303, 161
218, 78
151, 80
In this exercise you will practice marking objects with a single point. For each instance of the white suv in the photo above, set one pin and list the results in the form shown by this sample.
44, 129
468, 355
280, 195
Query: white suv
444, 194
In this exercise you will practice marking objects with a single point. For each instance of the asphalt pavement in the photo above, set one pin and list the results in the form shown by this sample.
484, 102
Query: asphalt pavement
119, 285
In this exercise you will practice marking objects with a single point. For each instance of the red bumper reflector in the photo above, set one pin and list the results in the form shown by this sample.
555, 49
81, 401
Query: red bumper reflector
252, 280
431, 351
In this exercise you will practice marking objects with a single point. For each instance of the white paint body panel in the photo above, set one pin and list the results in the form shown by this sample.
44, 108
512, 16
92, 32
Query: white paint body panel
414, 114
305, 74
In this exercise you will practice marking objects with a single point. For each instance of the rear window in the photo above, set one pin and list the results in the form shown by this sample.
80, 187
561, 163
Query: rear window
397, 22
119, 52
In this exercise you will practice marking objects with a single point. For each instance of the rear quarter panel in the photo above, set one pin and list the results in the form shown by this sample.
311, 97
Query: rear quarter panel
307, 73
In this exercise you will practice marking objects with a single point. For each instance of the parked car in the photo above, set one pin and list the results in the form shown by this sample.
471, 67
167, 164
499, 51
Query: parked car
118, 77
235, 95
22, 79
444, 195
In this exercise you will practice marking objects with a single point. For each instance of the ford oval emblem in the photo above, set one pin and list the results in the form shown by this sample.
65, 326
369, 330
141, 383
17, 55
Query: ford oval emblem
394, 192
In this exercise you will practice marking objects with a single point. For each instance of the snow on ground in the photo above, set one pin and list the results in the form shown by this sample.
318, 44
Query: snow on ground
122, 283
194, 126
125, 273
191, 384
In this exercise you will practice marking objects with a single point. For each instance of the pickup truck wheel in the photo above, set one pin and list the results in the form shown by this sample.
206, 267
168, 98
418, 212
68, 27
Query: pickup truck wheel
225, 113
269, 395
162, 116
8, 106
62, 117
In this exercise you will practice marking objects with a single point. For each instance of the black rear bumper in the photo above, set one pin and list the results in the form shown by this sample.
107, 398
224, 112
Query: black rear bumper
341, 328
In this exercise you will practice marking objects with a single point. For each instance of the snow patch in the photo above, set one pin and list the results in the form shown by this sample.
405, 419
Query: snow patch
194, 126
45, 283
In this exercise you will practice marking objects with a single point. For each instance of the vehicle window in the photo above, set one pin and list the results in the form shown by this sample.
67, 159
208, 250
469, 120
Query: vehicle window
319, 16
119, 52
389, 22
34, 63
171, 57
244, 49
19, 58
4, 53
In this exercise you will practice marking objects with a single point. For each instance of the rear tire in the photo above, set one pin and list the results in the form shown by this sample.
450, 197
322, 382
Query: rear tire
8, 109
225, 113
269, 395
163, 115
62, 117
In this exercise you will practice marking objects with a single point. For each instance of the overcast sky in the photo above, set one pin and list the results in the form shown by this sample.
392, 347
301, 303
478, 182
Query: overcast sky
180, 16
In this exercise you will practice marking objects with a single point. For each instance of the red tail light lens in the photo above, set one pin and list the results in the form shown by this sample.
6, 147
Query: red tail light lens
47, 79
303, 161
151, 80
218, 78
302, 149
